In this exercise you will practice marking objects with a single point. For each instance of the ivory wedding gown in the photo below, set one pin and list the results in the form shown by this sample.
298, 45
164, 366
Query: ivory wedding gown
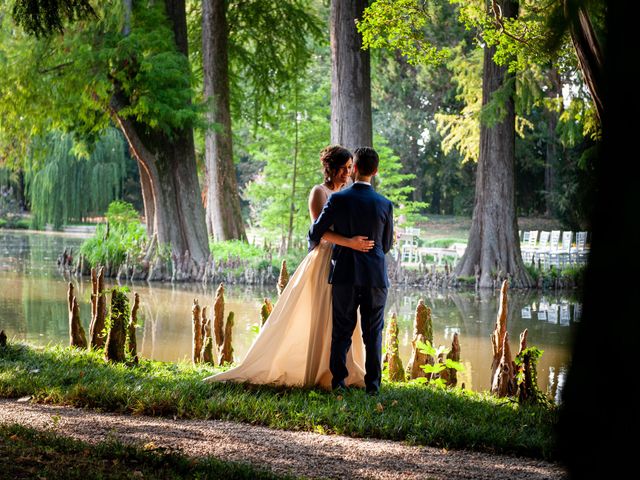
293, 346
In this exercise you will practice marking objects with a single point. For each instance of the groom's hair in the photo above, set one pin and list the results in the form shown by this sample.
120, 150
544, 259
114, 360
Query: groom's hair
366, 159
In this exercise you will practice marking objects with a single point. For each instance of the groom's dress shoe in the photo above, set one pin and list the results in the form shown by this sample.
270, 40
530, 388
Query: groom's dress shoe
340, 387
373, 392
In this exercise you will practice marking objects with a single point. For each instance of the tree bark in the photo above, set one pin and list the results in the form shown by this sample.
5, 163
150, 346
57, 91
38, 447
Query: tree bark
224, 218
588, 51
493, 238
147, 199
350, 78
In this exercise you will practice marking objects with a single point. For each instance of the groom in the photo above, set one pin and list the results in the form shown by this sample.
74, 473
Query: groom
359, 279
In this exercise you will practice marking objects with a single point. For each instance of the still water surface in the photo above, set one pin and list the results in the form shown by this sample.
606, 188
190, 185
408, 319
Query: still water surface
33, 308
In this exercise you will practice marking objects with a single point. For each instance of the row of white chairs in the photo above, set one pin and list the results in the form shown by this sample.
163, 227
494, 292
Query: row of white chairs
553, 313
554, 249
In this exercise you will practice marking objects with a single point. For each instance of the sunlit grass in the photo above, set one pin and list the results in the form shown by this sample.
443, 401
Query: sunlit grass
418, 414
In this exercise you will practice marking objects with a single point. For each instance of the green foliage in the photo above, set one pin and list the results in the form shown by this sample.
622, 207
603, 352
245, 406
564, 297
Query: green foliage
234, 249
393, 184
461, 130
433, 370
42, 17
62, 186
527, 362
427, 416
299, 129
400, 24
67, 82
123, 235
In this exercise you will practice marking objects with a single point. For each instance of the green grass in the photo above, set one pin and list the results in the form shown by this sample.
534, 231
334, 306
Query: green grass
29, 453
415, 413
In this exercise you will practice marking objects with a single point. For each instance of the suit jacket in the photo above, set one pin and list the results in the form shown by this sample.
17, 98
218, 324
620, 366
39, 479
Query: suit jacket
357, 210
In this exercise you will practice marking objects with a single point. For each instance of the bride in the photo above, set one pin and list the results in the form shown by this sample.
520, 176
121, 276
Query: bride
294, 344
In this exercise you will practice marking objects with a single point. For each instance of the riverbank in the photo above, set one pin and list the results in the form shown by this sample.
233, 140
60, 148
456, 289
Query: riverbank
450, 419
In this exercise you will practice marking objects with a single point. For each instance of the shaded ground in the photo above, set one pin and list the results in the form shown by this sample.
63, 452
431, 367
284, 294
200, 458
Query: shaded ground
283, 452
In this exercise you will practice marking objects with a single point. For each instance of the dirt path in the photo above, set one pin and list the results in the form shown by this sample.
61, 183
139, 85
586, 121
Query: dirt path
299, 453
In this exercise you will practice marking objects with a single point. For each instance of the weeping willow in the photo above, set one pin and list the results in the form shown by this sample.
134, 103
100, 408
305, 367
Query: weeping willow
64, 186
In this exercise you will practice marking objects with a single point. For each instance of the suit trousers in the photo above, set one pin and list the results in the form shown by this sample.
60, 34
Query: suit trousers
346, 300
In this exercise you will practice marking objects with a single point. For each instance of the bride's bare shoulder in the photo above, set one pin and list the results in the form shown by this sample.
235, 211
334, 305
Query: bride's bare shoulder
317, 191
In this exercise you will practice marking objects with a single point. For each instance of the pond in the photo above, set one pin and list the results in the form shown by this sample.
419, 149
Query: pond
33, 309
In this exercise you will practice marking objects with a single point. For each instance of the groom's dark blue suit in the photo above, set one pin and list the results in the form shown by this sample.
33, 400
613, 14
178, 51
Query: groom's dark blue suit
359, 279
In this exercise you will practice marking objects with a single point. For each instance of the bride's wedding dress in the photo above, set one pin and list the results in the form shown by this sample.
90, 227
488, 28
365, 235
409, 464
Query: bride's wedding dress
294, 344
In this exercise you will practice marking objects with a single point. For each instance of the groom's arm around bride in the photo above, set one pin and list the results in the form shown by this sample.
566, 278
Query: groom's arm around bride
359, 279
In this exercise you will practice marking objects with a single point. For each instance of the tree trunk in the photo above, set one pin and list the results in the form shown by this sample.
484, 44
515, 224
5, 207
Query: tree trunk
350, 78
224, 218
588, 51
493, 239
147, 199
168, 171
586, 447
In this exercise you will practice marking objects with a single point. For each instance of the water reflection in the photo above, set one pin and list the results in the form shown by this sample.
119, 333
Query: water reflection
33, 308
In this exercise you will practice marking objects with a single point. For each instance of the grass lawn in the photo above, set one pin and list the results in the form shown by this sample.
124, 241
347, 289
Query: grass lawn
408, 411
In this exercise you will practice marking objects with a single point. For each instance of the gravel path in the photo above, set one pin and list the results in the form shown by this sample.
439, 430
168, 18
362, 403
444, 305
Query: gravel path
299, 453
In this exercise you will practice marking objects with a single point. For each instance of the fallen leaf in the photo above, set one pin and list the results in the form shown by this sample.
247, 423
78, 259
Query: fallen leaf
379, 407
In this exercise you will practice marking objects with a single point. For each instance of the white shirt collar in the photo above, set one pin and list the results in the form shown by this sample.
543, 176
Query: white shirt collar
365, 183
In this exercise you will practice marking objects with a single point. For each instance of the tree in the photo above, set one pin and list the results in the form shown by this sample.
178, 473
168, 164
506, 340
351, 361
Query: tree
224, 219
130, 68
351, 124
493, 244
584, 439
41, 18
57, 196
167, 158
493, 241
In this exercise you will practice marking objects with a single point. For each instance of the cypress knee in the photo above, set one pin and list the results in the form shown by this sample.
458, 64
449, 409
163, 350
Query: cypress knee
207, 351
396, 372
114, 348
423, 332
265, 311
132, 344
504, 380
98, 308
77, 337
218, 316
226, 353
196, 348
418, 359
497, 336
283, 279
450, 375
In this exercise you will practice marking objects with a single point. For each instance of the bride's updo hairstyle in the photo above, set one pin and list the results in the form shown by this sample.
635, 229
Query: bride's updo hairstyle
332, 158
366, 159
